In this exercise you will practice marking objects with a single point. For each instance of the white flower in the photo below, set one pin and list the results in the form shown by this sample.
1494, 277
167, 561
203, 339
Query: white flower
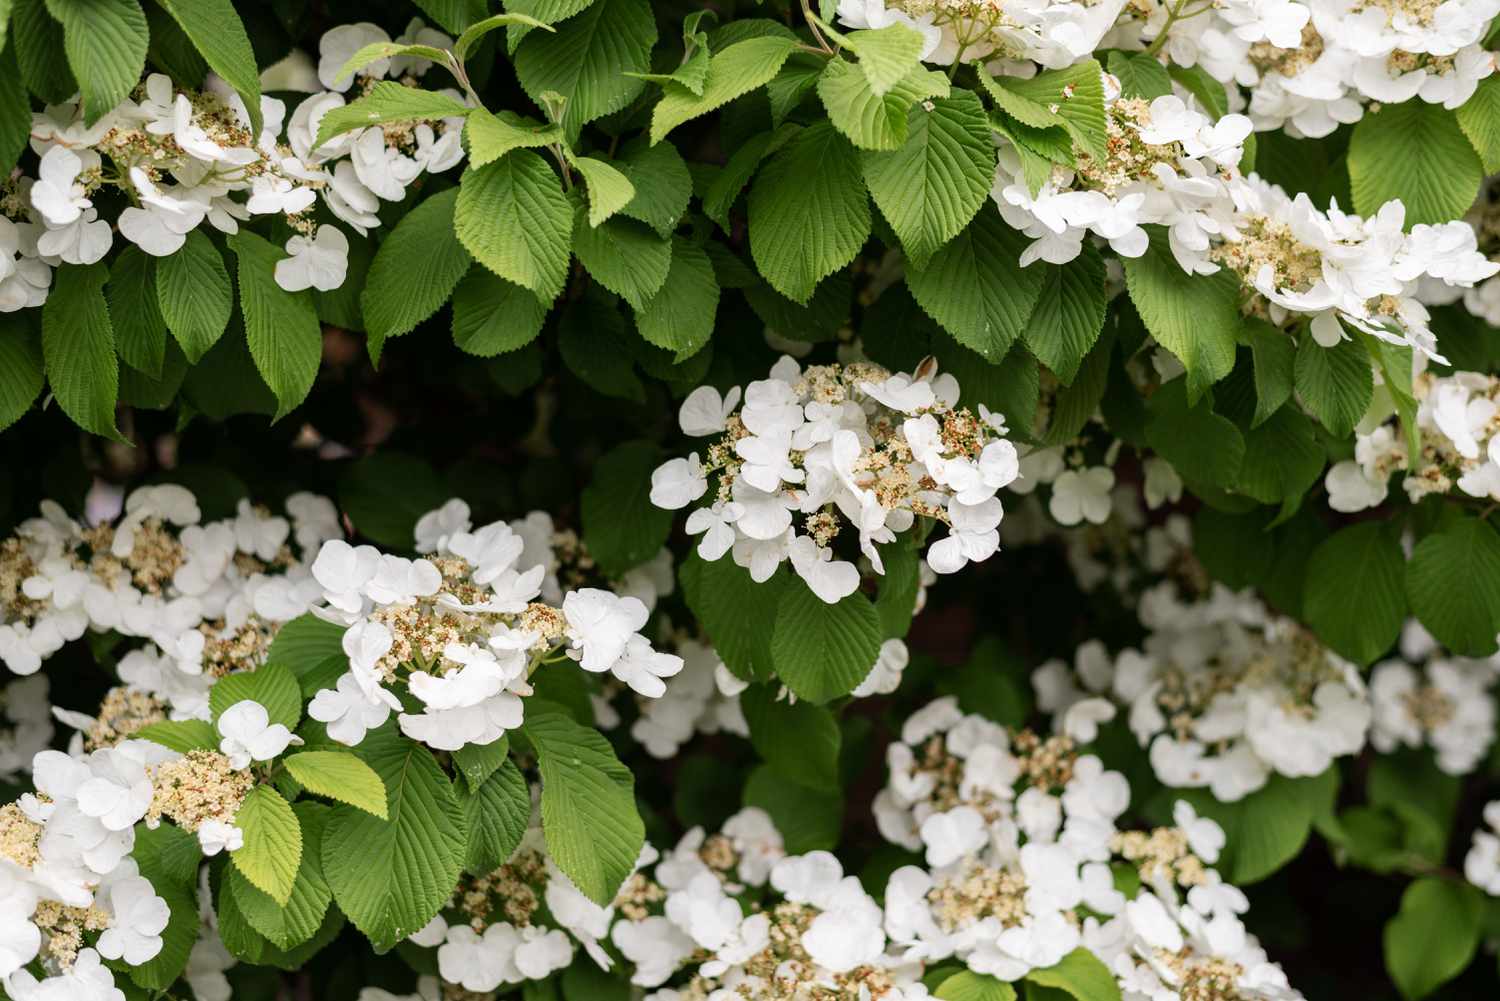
1205, 838
678, 482
320, 262
138, 917
56, 193
338, 45
951, 835
215, 836
704, 412
600, 625
249, 735
1082, 496
831, 580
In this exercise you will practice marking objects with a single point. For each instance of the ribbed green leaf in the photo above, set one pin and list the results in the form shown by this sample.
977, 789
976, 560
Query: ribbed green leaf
1069, 313
1434, 935
608, 190
219, 36
621, 527
1335, 383
388, 101
1354, 595
272, 851
1418, 153
194, 295
106, 43
294, 921
513, 217
623, 256
492, 136
1080, 974
21, 369
662, 183
822, 651
78, 342
273, 686
40, 52
15, 105
1194, 317
340, 776
281, 327
798, 739
140, 329
498, 813
886, 55
680, 316
872, 121
587, 58
414, 272
492, 316
734, 71
1453, 584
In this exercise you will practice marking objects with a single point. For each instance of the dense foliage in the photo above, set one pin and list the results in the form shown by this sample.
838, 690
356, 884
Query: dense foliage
867, 500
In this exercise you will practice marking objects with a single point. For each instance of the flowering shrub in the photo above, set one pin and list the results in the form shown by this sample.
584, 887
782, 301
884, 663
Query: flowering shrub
866, 500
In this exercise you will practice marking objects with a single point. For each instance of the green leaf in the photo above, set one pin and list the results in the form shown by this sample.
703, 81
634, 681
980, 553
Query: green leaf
384, 494
1274, 356
181, 736
492, 316
821, 651
477, 762
1075, 95
474, 32
662, 183
341, 776
385, 50
78, 343
976, 288
40, 52
1434, 935
798, 739
1418, 153
808, 819
414, 272
1141, 75
194, 295
498, 813
587, 58
140, 329
1268, 828
589, 819
886, 55
450, 15
273, 843
732, 72
930, 188
1336, 383
388, 101
15, 106
734, 610
514, 218
106, 43
219, 36
296, 920
875, 121
609, 191
1354, 597
492, 136
391, 876
970, 986
1069, 313
1479, 117
680, 316
1283, 459
1196, 317
1200, 444
625, 257
1081, 974
21, 370
809, 214
306, 642
1453, 585
281, 327
272, 685
592, 340
1409, 785
621, 527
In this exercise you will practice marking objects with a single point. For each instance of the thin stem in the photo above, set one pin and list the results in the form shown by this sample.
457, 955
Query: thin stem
1161, 38
812, 23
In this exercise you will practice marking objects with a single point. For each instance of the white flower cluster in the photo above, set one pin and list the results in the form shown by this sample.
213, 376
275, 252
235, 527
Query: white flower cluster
1014, 34
1445, 703
461, 631
1019, 833
1313, 65
1482, 863
1169, 164
189, 157
1458, 417
833, 444
206, 596
1223, 694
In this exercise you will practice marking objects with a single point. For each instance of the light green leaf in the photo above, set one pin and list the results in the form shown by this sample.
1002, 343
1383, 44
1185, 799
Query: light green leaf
474, 32
78, 343
1453, 585
799, 740
414, 272
662, 183
886, 55
296, 920
1075, 94
514, 218
930, 188
384, 50
1196, 317
621, 527
1140, 75
388, 101
1479, 117
970, 986
194, 295
623, 256
272, 685
281, 327
732, 72
1434, 935
498, 813
181, 735
1418, 153
587, 59
391, 876
822, 651
609, 191
492, 136
809, 214
975, 288
1354, 597
273, 843
1069, 313
217, 33
680, 316
492, 316
1336, 383
589, 818
21, 369
871, 121
341, 776
450, 15
106, 43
